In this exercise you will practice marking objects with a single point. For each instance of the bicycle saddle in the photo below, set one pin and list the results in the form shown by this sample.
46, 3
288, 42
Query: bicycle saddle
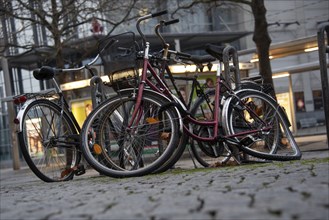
201, 59
44, 73
215, 51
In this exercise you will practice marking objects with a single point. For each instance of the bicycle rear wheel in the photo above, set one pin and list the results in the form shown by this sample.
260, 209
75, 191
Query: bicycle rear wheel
115, 147
48, 141
259, 126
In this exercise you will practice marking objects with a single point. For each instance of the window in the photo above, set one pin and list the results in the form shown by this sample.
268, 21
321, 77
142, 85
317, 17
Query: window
318, 101
224, 18
299, 101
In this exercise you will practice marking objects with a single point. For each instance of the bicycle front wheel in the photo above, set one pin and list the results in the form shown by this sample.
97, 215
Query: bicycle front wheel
48, 141
206, 153
119, 144
259, 126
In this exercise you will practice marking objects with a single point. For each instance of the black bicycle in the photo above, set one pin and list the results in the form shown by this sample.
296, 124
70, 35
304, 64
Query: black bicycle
48, 132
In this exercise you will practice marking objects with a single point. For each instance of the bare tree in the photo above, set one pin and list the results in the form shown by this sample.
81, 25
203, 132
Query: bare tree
60, 21
260, 36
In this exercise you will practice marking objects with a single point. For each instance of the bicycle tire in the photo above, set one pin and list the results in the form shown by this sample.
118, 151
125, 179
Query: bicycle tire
207, 154
253, 110
125, 153
48, 161
175, 156
203, 152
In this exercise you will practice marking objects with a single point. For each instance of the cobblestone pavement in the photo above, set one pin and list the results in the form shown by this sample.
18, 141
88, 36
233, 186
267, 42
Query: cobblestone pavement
278, 190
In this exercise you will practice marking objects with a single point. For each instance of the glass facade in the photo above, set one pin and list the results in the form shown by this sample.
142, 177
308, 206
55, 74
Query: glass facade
5, 147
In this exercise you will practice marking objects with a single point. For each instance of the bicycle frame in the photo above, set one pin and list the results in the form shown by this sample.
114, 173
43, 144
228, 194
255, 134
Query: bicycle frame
162, 88
215, 121
48, 74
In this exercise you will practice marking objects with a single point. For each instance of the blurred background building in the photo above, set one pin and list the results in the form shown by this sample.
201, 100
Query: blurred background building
294, 58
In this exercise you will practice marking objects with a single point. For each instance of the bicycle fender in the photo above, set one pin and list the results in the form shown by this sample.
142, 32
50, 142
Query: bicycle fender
131, 90
20, 114
280, 108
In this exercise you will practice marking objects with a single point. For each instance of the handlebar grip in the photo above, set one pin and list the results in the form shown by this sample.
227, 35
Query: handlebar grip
171, 22
156, 14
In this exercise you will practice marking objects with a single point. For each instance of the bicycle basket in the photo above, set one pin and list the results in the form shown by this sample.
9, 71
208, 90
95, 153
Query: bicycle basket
120, 61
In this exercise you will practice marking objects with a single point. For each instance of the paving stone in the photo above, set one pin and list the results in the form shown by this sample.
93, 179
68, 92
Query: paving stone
279, 190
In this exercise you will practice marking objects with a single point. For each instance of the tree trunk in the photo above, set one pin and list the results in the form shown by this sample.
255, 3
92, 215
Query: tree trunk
59, 58
262, 40
57, 35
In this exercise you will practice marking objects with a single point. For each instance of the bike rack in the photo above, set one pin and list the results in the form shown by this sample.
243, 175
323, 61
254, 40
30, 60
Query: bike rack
228, 52
96, 85
323, 51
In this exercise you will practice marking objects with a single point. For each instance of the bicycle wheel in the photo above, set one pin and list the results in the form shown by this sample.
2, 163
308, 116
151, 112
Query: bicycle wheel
259, 126
176, 155
48, 141
206, 153
117, 147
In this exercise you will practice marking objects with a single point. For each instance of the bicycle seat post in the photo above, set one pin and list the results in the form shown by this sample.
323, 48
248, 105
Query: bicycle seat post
219, 69
57, 87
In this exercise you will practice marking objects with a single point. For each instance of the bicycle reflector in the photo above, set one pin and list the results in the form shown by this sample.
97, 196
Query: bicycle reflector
97, 149
152, 120
16, 121
20, 99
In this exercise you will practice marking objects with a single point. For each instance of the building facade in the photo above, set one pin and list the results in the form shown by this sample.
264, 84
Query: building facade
225, 24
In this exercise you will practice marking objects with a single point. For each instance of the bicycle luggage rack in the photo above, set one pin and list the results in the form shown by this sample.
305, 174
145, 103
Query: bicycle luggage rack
323, 52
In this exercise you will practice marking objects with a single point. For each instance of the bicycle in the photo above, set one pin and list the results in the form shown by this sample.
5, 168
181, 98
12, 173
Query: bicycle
208, 151
118, 157
131, 105
263, 145
205, 153
48, 132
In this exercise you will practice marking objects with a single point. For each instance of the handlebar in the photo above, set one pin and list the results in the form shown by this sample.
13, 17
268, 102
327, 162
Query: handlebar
156, 14
47, 72
161, 24
147, 17
165, 23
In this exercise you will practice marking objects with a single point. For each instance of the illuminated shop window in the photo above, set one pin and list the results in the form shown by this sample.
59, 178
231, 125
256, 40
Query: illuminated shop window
299, 101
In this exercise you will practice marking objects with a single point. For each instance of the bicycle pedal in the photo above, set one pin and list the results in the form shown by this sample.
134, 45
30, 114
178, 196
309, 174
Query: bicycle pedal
246, 141
80, 170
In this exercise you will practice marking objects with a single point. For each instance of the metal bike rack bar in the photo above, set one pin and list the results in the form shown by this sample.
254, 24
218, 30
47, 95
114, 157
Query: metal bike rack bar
323, 51
228, 52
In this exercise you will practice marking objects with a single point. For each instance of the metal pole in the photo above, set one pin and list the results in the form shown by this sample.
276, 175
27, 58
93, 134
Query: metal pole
323, 51
11, 115
292, 107
8, 88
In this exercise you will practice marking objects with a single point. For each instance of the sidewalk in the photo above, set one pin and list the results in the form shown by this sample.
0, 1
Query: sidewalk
278, 190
